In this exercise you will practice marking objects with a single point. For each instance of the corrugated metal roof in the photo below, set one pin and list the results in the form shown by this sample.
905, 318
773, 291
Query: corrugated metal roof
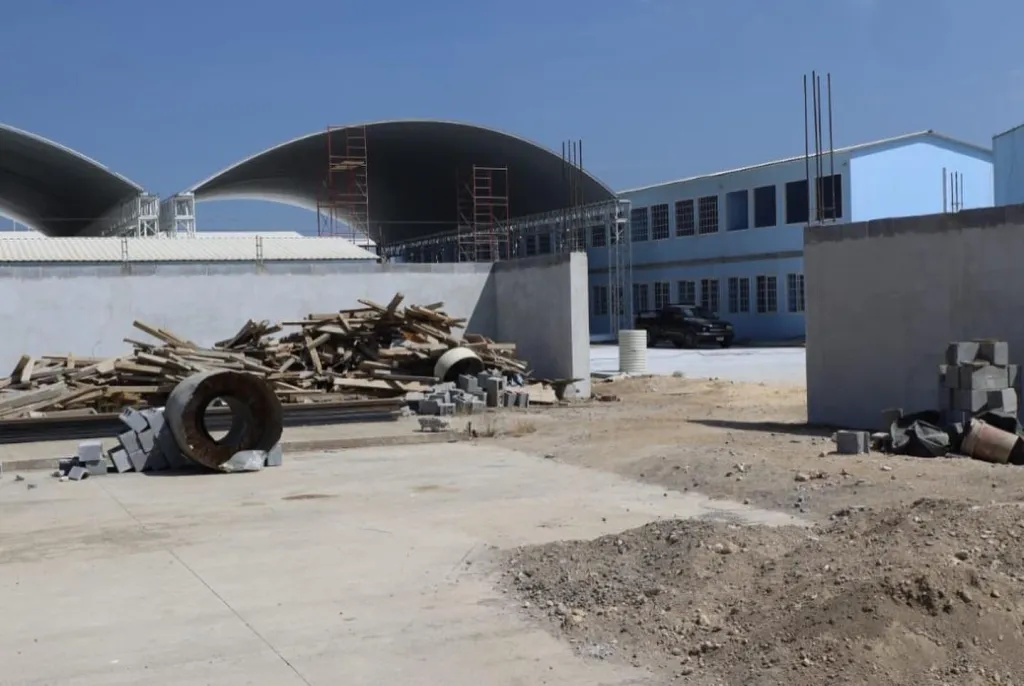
905, 138
234, 249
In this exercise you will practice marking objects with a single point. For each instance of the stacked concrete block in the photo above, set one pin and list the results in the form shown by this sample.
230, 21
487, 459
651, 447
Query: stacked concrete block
469, 395
853, 442
977, 378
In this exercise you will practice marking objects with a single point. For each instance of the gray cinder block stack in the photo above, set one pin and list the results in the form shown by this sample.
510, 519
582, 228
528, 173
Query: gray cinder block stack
977, 378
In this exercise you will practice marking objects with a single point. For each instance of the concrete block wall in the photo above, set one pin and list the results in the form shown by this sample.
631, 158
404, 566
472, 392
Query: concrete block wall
88, 309
886, 297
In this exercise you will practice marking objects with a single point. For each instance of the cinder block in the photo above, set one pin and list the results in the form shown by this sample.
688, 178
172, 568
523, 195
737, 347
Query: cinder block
155, 418
77, 473
129, 440
962, 352
970, 401
446, 409
98, 468
119, 456
994, 352
894, 414
90, 451
949, 376
468, 383
133, 419
1013, 376
852, 442
138, 460
147, 440
429, 407
981, 376
493, 387
1004, 399
275, 456
168, 447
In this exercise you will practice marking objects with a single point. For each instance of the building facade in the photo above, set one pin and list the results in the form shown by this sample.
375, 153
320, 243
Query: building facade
733, 241
1008, 160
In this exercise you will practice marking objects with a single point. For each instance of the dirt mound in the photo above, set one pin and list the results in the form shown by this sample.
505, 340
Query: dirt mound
925, 594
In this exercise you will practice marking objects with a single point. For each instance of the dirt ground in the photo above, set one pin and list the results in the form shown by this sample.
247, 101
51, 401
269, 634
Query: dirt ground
909, 576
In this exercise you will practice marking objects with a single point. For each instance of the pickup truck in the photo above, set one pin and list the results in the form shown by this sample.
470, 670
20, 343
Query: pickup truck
685, 326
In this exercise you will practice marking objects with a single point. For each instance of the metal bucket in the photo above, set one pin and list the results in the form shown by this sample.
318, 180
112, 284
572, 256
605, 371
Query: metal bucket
988, 443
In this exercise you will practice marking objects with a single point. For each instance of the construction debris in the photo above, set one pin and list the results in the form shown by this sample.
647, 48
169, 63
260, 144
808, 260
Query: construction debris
375, 350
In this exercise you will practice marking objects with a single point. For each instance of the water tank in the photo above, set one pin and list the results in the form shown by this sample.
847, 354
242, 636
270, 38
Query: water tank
633, 351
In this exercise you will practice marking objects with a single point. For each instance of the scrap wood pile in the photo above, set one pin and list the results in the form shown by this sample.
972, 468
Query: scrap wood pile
375, 350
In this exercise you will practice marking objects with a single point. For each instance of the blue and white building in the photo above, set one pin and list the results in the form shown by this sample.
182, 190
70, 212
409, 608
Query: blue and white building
733, 241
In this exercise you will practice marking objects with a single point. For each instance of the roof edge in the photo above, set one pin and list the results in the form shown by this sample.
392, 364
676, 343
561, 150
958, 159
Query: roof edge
71, 151
859, 147
196, 187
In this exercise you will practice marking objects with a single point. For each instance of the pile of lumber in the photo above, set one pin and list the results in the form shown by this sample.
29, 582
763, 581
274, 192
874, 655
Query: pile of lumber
375, 350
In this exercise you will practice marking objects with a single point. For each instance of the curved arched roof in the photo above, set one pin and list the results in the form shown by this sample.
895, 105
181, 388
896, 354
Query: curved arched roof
54, 189
412, 168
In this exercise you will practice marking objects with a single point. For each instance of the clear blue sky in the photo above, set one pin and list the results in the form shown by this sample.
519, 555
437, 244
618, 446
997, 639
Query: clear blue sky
169, 92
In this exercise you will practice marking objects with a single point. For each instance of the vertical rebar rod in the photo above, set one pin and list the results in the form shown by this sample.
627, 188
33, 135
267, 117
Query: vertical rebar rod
836, 211
807, 145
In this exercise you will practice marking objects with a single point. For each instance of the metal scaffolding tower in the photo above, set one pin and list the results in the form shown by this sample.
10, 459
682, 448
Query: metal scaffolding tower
620, 268
343, 208
483, 215
137, 217
178, 216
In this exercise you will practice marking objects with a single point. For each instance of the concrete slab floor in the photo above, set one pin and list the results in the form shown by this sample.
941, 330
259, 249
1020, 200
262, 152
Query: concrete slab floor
759, 365
372, 566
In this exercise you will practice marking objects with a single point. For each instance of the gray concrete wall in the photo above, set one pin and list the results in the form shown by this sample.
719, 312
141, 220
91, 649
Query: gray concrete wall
543, 306
88, 309
884, 298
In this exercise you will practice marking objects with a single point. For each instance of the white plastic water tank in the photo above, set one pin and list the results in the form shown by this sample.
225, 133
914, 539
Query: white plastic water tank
633, 351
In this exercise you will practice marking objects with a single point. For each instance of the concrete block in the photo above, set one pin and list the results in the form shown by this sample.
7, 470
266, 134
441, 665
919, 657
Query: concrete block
493, 387
446, 409
156, 461
896, 413
429, 407
98, 468
962, 352
468, 383
138, 460
508, 399
90, 451
119, 456
275, 456
129, 440
949, 376
440, 396
155, 418
1004, 399
981, 376
245, 461
522, 399
852, 442
970, 401
1013, 376
994, 352
168, 447
147, 440
133, 419
77, 473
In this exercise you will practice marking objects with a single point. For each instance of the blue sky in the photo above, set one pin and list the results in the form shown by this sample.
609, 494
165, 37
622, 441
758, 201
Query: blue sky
169, 92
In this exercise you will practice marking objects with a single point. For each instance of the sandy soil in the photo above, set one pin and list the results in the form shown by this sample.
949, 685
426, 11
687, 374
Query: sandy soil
910, 576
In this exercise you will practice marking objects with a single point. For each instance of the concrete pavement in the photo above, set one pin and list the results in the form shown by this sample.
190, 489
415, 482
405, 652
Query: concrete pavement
768, 365
372, 566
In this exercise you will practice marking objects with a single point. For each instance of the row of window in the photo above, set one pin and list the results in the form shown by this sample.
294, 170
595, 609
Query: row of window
701, 216
706, 292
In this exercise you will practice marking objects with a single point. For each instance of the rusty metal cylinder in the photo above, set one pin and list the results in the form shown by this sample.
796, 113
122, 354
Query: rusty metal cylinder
988, 443
256, 415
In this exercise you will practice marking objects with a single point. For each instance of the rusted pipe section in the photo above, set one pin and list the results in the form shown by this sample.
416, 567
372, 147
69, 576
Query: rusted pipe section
256, 416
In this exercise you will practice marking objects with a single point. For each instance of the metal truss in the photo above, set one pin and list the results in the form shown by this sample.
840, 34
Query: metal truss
138, 217
178, 216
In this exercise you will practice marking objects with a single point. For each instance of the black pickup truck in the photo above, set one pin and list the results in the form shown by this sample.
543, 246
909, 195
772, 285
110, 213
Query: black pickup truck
685, 326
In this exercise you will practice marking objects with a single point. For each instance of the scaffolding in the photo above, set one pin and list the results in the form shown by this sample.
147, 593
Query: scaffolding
343, 208
137, 217
620, 269
178, 216
483, 215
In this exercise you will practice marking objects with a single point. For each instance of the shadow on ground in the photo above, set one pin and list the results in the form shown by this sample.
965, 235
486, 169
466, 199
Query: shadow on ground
770, 427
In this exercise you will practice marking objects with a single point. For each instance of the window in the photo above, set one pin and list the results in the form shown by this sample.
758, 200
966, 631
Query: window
737, 211
739, 295
531, 245
767, 295
661, 294
709, 294
684, 218
765, 210
598, 237
544, 243
707, 214
686, 292
797, 203
640, 293
638, 224
599, 301
830, 190
795, 293
659, 222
